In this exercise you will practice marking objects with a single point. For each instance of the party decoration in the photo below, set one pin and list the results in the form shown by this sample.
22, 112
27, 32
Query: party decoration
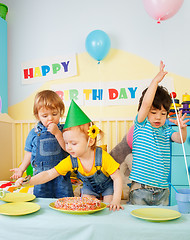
186, 105
29, 170
162, 9
130, 137
173, 94
98, 44
48, 69
93, 131
3, 11
75, 116
172, 113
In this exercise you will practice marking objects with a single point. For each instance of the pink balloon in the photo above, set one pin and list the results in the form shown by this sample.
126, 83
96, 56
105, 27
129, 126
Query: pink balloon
162, 9
130, 137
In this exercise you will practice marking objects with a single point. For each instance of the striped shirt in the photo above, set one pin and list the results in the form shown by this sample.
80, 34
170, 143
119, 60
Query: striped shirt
151, 154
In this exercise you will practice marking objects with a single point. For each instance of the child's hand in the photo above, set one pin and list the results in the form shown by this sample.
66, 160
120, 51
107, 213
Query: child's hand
176, 136
19, 182
160, 76
182, 120
53, 129
115, 206
17, 173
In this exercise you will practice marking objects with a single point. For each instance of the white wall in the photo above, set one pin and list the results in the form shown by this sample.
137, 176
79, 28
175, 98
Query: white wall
43, 28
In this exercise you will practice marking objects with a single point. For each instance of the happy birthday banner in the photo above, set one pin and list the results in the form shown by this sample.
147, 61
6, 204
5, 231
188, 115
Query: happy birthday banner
49, 69
106, 93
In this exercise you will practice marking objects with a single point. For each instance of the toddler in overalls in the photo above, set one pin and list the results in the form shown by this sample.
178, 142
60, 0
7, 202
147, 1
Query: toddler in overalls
96, 184
42, 147
98, 171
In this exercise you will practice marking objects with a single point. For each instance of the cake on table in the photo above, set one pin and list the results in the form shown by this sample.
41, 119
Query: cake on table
78, 203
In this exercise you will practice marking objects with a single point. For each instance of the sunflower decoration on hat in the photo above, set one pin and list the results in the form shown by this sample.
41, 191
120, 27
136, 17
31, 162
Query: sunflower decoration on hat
76, 117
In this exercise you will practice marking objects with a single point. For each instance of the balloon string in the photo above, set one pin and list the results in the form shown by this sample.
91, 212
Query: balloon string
101, 95
181, 139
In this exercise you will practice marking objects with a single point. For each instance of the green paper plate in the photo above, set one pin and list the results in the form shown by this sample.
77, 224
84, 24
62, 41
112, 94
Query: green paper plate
18, 208
156, 214
18, 197
103, 205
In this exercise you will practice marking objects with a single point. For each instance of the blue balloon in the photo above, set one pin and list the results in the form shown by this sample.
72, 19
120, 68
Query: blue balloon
98, 44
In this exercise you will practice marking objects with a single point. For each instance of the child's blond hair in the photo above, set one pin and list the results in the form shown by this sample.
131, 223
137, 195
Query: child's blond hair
48, 99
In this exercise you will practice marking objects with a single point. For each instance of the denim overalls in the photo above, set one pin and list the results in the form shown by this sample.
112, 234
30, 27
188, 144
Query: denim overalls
98, 183
48, 155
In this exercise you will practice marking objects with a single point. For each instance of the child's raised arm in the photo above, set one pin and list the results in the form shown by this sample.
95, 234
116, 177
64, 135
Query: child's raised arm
150, 94
39, 178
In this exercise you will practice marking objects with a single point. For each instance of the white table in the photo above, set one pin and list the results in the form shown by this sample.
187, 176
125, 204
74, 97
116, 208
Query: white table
48, 224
